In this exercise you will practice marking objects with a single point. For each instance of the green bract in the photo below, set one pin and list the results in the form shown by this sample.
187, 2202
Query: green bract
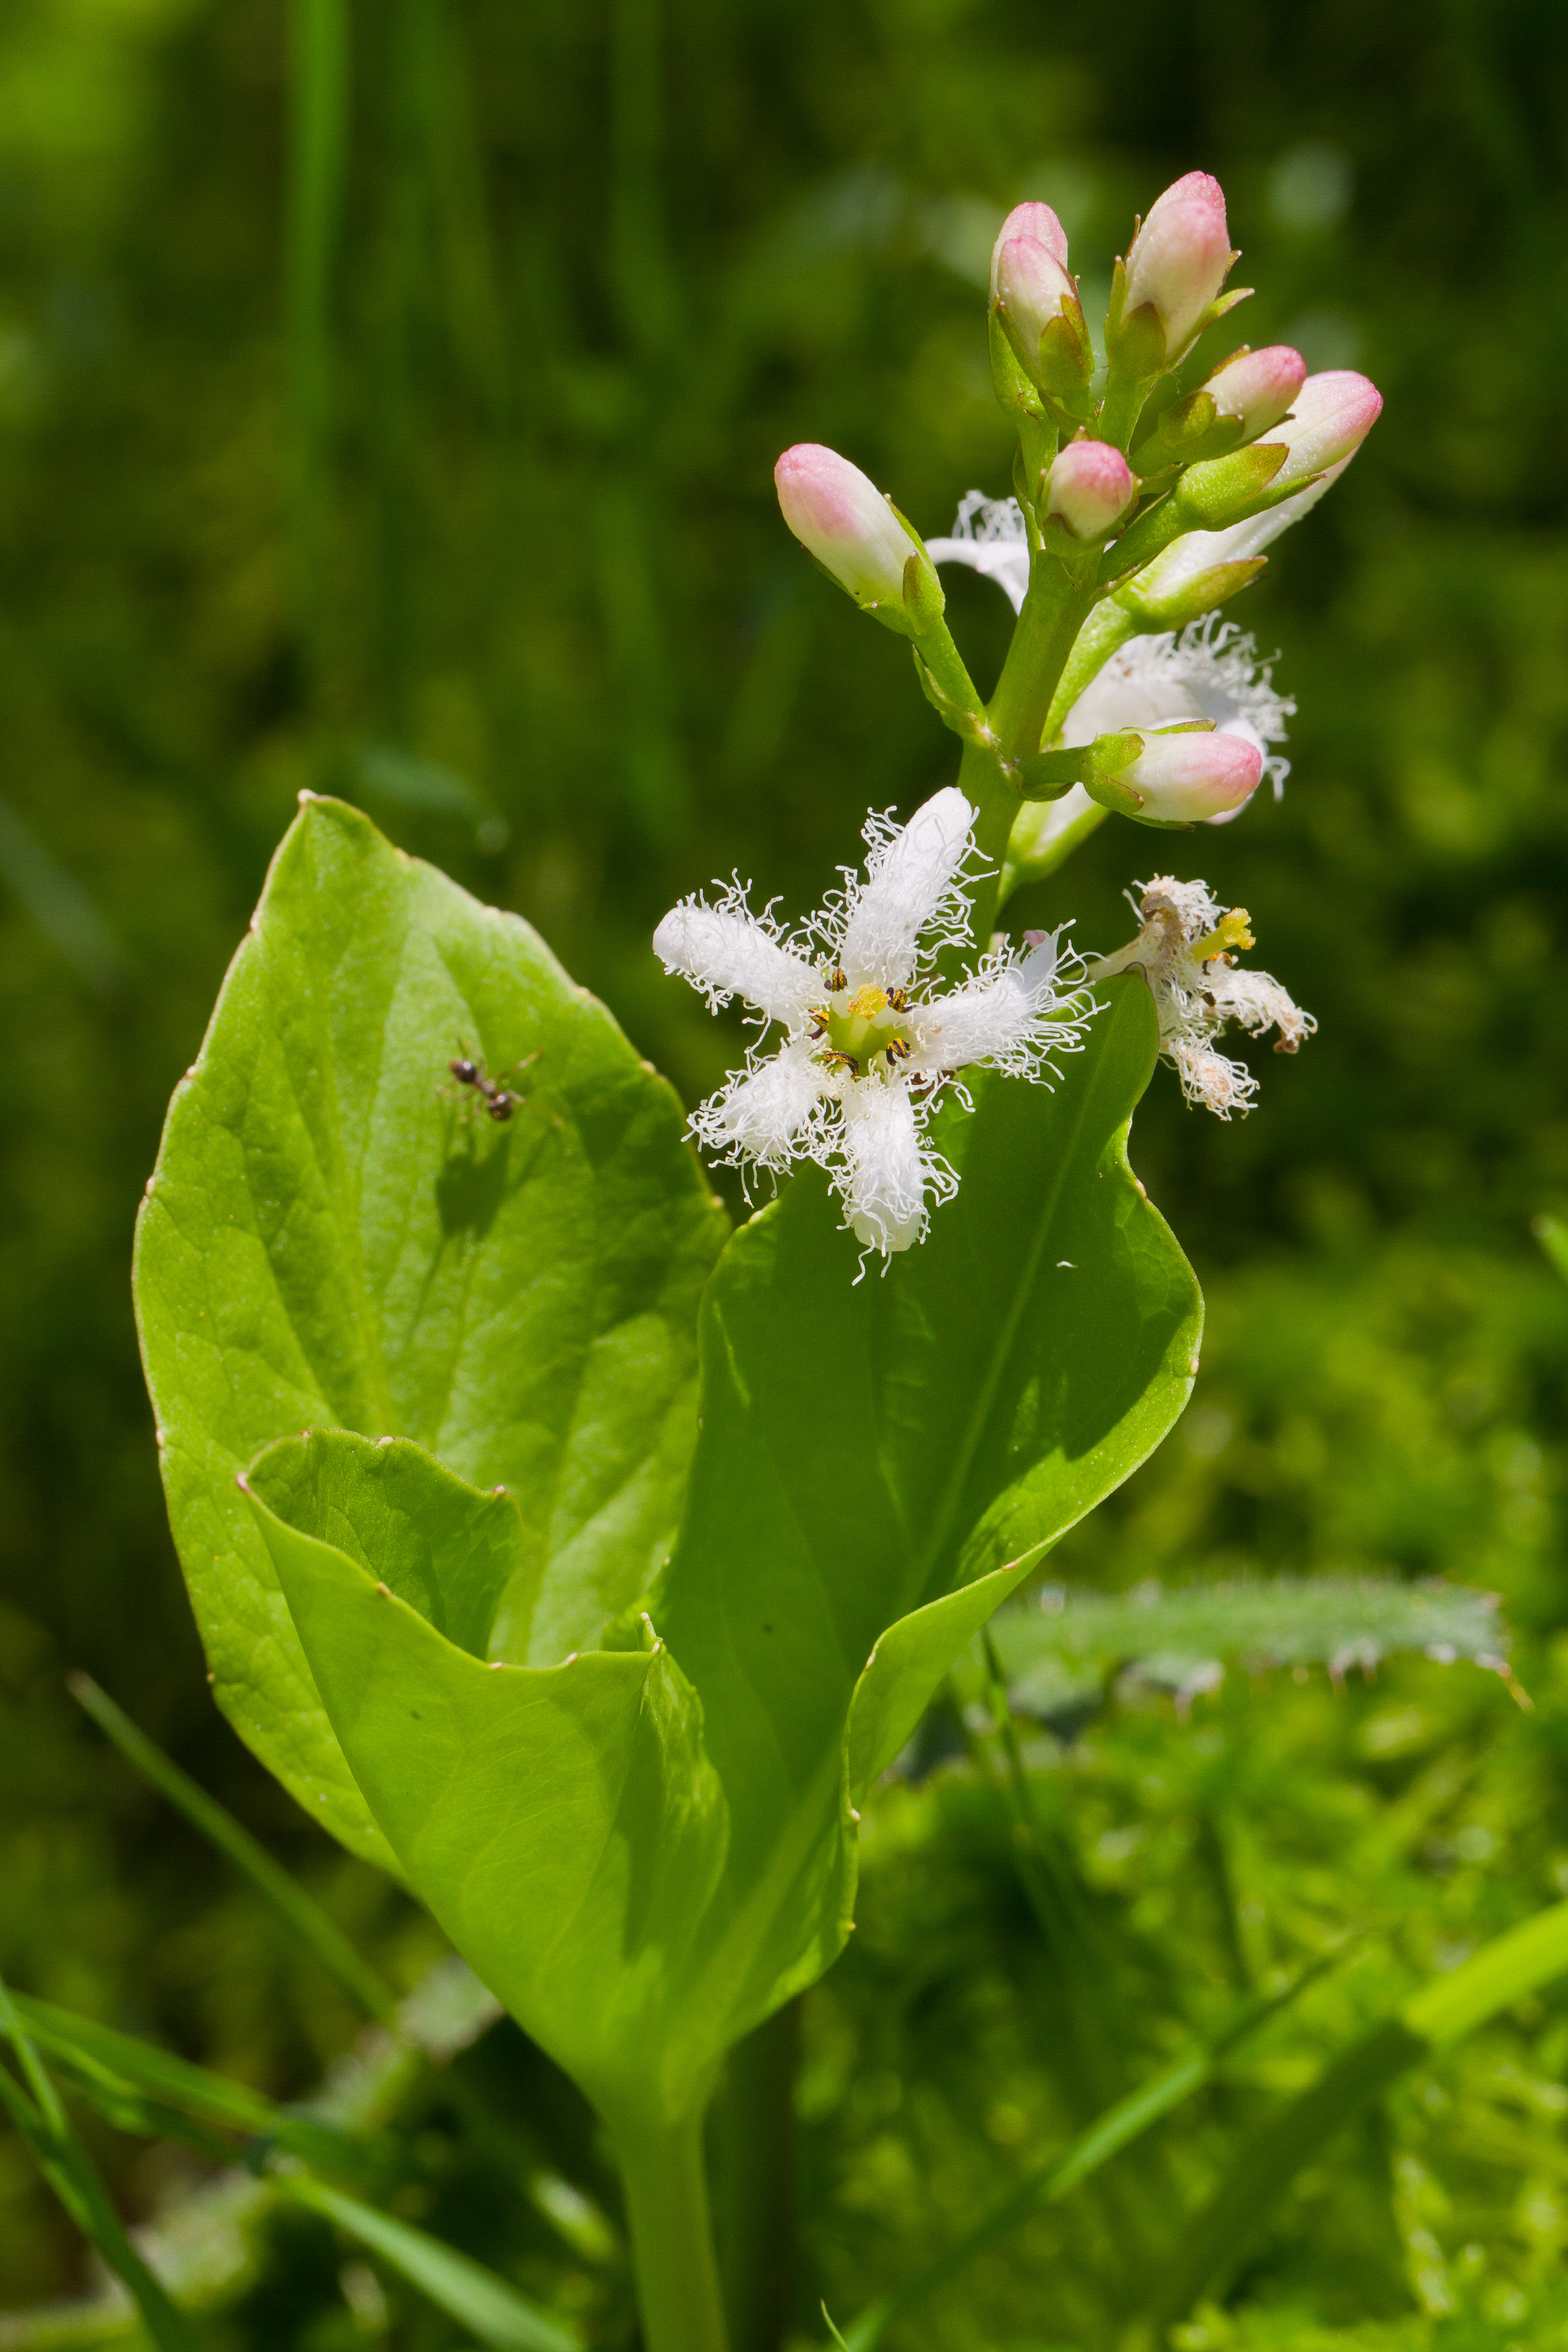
622, 1775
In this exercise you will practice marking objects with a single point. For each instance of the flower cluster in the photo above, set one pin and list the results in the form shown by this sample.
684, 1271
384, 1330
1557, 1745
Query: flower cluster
868, 1040
1149, 482
1186, 949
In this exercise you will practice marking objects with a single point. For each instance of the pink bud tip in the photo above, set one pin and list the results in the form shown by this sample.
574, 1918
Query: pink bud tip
839, 514
1031, 287
1257, 386
1186, 778
1091, 486
1178, 258
1330, 417
1037, 221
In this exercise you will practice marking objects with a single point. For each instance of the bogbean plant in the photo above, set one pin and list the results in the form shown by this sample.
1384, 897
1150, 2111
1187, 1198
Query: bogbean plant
583, 1562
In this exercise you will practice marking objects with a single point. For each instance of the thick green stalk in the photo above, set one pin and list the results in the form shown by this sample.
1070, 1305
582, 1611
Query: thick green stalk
751, 2149
1054, 612
665, 2188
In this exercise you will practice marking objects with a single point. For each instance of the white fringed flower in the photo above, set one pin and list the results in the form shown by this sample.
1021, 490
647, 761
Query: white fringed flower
1208, 671
988, 535
1187, 951
867, 1044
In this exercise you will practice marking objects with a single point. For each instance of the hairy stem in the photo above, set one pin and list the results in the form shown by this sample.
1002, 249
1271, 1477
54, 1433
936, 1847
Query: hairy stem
672, 2239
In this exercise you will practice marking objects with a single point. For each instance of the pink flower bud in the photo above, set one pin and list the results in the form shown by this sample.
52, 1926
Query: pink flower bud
1184, 778
1178, 258
1331, 416
1037, 221
840, 516
1091, 486
1031, 287
1257, 386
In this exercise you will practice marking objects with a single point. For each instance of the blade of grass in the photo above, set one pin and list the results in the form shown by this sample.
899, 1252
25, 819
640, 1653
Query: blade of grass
486, 2305
288, 1897
1451, 2006
317, 142
42, 2120
1049, 2183
118, 2069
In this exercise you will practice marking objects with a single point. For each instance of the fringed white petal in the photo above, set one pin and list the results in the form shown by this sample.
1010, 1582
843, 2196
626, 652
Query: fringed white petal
1256, 1001
887, 1173
727, 950
772, 1113
911, 887
1008, 1015
1192, 902
1195, 998
988, 535
1211, 1080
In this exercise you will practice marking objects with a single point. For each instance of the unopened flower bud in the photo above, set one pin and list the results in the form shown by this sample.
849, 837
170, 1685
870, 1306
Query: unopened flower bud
1257, 388
1092, 486
1177, 776
1034, 292
1036, 221
841, 518
1330, 417
1177, 262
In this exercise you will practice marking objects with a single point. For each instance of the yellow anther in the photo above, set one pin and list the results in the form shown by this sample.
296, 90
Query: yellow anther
1231, 930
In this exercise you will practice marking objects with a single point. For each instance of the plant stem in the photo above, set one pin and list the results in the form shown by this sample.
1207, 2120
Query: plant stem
672, 2238
752, 2142
1054, 612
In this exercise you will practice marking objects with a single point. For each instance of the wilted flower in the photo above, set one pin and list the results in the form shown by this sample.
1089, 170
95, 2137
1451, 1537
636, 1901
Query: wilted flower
868, 1044
1187, 951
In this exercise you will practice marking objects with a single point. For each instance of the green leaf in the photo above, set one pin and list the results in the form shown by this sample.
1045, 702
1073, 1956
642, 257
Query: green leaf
335, 1235
1184, 1640
643, 1852
562, 1822
881, 1459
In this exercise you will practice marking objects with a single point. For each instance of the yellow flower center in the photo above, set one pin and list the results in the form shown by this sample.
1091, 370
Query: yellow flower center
859, 1030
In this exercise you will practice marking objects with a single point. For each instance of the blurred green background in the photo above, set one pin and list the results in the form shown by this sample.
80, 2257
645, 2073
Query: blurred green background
393, 413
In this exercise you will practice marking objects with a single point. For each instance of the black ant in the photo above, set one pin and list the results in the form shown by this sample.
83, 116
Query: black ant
499, 1101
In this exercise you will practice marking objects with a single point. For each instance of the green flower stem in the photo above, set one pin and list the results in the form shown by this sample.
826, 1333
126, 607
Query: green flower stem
751, 2154
1054, 612
672, 2238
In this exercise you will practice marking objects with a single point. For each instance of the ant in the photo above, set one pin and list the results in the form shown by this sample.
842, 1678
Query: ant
499, 1101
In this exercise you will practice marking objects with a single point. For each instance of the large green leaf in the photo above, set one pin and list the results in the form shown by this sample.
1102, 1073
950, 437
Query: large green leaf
560, 1821
331, 1236
643, 1851
883, 1455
